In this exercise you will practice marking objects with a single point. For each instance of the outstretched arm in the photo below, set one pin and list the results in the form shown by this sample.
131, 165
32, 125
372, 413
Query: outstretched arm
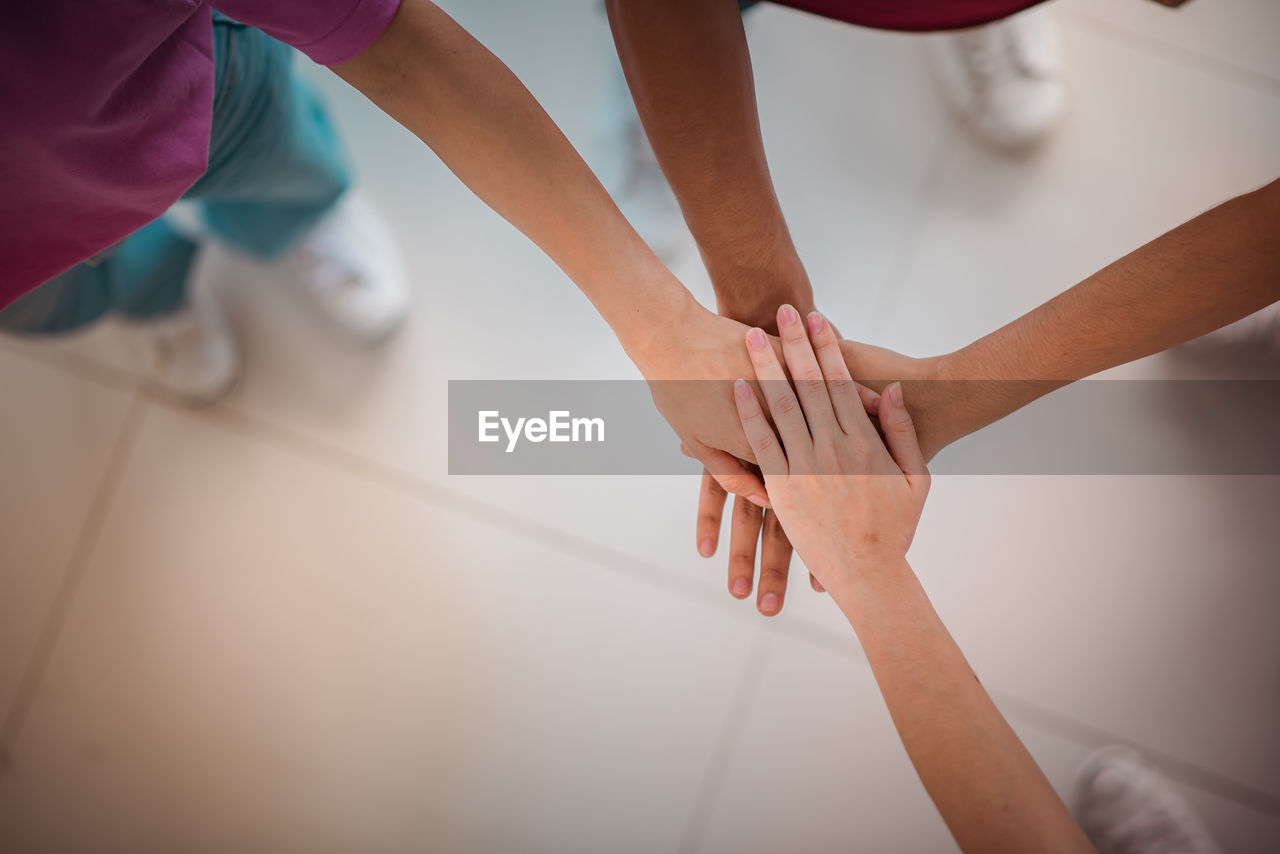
434, 78
444, 86
690, 74
850, 504
1219, 267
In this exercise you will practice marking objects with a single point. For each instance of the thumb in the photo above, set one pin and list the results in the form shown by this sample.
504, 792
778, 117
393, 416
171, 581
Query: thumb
900, 434
733, 476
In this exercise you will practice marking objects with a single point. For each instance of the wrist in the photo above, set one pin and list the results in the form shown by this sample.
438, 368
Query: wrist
935, 397
750, 290
760, 308
647, 332
859, 583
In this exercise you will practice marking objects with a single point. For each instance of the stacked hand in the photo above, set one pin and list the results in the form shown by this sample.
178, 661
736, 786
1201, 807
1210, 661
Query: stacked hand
848, 499
688, 371
756, 531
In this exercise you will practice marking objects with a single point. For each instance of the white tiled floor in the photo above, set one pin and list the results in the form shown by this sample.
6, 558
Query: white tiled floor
279, 625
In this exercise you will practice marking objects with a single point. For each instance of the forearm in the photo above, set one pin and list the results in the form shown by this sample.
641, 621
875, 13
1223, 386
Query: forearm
457, 97
689, 71
1215, 269
989, 790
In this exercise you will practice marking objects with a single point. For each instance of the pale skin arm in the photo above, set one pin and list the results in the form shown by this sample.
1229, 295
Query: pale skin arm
435, 79
1215, 269
458, 98
988, 788
851, 503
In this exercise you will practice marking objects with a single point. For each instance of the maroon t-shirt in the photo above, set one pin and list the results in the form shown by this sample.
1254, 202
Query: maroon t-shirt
912, 14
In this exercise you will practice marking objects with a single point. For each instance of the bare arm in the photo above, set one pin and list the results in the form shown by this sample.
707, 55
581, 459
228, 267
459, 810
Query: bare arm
434, 78
851, 503
989, 790
690, 74
1208, 272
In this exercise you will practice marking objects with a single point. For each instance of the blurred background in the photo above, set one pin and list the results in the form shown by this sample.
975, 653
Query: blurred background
278, 625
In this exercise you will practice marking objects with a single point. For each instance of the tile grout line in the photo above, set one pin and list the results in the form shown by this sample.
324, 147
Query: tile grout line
418, 488
50, 632
421, 489
76, 365
1088, 735
717, 767
1203, 62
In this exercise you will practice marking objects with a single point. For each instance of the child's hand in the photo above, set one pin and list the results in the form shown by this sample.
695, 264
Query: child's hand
847, 500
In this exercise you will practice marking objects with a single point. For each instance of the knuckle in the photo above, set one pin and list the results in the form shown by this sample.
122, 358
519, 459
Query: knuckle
762, 444
712, 491
785, 404
838, 383
811, 384
745, 512
773, 528
794, 333
773, 576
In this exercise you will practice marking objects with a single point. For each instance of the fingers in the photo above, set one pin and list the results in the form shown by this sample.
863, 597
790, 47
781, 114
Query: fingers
900, 436
769, 455
816, 584
775, 564
849, 400
805, 373
744, 532
710, 510
732, 475
783, 405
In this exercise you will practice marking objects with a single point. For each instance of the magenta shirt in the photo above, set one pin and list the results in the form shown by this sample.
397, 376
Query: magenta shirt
106, 109
912, 15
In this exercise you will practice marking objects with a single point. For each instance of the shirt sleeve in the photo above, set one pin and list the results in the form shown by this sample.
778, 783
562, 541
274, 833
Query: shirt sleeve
328, 31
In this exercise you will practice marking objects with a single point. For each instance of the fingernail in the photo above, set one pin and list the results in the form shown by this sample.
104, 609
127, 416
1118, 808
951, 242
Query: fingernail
895, 393
758, 500
741, 390
741, 587
756, 339
707, 547
769, 603
815, 323
787, 316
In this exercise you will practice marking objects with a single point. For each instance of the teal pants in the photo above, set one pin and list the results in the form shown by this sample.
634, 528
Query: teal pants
275, 168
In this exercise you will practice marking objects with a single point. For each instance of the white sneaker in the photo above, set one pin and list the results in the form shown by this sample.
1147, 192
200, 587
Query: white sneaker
192, 353
350, 268
1005, 79
1126, 807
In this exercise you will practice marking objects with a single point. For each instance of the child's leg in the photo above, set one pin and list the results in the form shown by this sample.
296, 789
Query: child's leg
276, 166
145, 276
